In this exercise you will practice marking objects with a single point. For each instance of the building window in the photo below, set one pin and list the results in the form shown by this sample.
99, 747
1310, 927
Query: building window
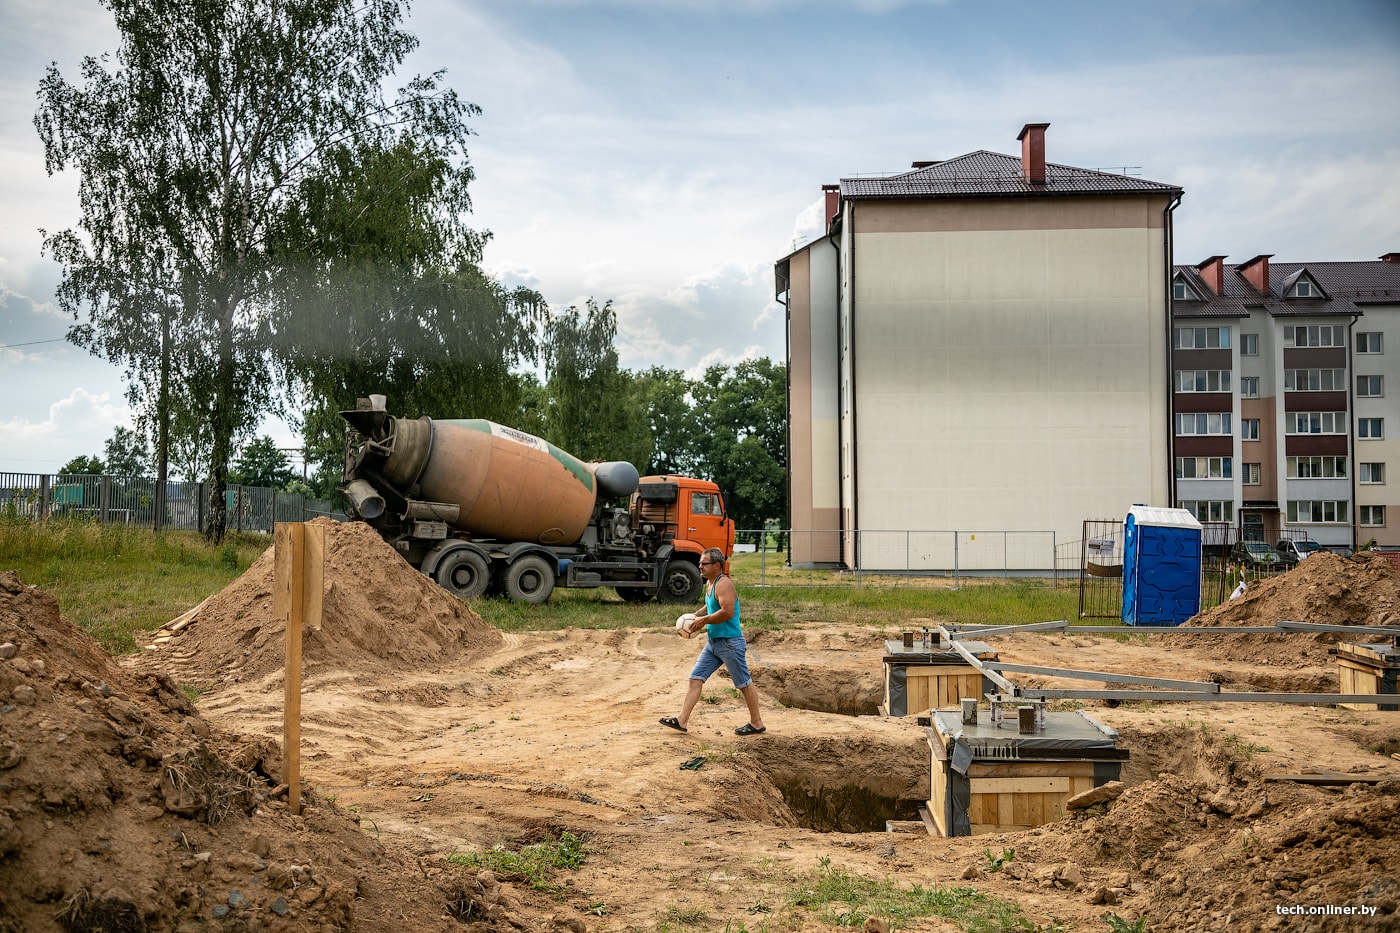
1319, 512
1180, 292
1317, 468
1204, 467
1201, 338
1249, 344
1315, 422
1369, 343
1370, 386
1315, 380
1249, 387
1214, 422
1371, 474
1371, 429
1249, 429
1209, 510
1315, 335
1371, 514
1203, 380
1302, 289
1252, 474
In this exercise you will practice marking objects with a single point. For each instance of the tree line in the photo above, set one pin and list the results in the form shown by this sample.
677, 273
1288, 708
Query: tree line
264, 228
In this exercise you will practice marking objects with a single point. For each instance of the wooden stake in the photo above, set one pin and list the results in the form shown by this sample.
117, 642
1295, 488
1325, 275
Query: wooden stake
299, 558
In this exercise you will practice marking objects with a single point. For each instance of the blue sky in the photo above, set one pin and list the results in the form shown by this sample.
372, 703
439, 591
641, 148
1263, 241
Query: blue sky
663, 153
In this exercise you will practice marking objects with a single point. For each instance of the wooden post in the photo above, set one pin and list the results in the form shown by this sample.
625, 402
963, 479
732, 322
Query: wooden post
299, 552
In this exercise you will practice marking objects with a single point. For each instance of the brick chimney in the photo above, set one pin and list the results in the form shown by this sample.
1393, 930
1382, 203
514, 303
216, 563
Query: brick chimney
1212, 272
833, 201
1033, 152
1256, 272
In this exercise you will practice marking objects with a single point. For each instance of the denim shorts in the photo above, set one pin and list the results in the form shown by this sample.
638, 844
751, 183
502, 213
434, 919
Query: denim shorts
726, 651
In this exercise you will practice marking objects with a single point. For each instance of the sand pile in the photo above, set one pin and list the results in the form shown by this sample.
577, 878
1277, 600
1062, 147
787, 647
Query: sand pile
1324, 588
380, 615
121, 810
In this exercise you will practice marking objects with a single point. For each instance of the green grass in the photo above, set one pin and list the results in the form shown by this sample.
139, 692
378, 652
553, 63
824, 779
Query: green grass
844, 899
113, 581
535, 865
116, 582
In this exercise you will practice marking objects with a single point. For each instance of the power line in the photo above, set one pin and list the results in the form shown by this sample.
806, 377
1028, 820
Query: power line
11, 346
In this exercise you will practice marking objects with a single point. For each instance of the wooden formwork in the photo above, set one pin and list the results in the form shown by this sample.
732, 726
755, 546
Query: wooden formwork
1368, 669
921, 679
988, 779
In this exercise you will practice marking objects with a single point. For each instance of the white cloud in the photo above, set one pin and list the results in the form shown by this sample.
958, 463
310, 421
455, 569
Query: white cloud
79, 415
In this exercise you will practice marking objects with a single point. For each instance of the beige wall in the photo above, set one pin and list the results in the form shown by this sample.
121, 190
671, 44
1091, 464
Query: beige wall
1010, 363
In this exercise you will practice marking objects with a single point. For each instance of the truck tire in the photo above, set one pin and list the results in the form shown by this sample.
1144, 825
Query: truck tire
681, 583
529, 579
464, 573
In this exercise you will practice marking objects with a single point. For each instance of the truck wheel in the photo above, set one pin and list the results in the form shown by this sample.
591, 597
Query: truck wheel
529, 579
464, 572
682, 583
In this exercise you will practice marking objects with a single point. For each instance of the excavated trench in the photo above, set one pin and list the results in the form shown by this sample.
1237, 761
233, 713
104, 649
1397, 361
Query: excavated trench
849, 785
799, 686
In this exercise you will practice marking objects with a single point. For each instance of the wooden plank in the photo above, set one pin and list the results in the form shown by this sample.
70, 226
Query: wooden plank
1020, 785
979, 829
1070, 769
929, 824
288, 583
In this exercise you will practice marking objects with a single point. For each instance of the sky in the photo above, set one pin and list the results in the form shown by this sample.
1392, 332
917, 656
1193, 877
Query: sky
663, 154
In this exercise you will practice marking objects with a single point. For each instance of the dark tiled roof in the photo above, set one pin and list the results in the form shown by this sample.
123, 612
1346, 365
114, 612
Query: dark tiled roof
984, 174
1348, 288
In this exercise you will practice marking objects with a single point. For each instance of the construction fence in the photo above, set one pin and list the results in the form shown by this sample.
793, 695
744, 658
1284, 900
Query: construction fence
894, 558
131, 500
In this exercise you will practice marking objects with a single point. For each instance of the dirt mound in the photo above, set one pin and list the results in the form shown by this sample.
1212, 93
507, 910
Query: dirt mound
1324, 588
122, 810
379, 614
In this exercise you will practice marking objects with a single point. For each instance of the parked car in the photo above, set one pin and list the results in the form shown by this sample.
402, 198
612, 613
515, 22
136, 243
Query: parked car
1256, 554
1290, 551
1341, 550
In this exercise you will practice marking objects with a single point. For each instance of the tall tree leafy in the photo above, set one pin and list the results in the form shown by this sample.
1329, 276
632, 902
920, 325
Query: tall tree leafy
744, 438
386, 295
674, 425
591, 409
262, 463
126, 453
193, 144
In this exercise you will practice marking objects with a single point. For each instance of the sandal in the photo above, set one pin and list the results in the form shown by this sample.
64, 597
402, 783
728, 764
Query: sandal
671, 722
749, 728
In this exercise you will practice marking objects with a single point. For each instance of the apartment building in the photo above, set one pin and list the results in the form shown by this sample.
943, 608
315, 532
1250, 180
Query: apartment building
1286, 397
978, 344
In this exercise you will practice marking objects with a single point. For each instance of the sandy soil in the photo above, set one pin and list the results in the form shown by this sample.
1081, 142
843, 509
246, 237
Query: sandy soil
425, 731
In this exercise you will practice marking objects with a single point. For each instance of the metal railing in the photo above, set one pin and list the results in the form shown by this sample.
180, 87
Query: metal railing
130, 500
893, 558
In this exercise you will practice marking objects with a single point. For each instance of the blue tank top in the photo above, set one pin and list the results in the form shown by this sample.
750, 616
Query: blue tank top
728, 629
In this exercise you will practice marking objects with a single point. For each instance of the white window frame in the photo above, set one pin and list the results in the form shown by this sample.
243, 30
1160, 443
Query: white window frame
1249, 344
1314, 335
1370, 429
1315, 380
1203, 380
1314, 422
1249, 429
1251, 474
1201, 338
1377, 381
1366, 340
1370, 474
1371, 516
1203, 424
1205, 467
1318, 512
1249, 387
1209, 510
1316, 467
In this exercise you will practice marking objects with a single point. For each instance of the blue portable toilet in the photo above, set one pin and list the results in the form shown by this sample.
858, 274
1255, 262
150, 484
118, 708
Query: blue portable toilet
1161, 566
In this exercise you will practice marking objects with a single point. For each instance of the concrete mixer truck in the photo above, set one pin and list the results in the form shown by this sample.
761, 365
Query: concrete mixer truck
483, 508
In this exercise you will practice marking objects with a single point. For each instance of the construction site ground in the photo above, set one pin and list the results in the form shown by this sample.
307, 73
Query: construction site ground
125, 805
